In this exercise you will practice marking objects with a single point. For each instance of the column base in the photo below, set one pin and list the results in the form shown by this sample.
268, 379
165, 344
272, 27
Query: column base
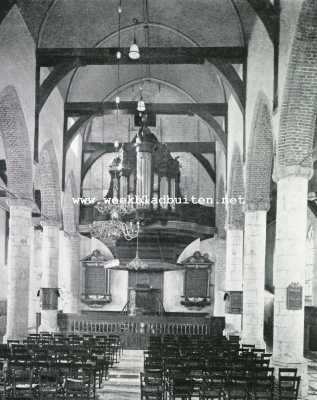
6, 337
259, 343
301, 371
70, 304
14, 336
233, 324
49, 321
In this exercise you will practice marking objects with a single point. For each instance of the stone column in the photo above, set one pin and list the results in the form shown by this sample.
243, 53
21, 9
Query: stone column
49, 289
70, 273
220, 277
234, 276
289, 268
19, 257
35, 278
254, 277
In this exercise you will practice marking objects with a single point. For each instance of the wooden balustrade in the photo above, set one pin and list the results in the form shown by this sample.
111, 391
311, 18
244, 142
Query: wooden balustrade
135, 331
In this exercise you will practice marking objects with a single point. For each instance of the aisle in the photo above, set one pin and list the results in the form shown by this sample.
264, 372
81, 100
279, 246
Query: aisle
124, 378
312, 375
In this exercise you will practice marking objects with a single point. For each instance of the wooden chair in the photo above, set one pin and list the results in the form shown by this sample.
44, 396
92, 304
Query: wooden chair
152, 387
181, 387
98, 355
213, 385
24, 382
4, 386
262, 388
237, 385
288, 387
4, 351
81, 384
50, 383
247, 347
266, 356
287, 372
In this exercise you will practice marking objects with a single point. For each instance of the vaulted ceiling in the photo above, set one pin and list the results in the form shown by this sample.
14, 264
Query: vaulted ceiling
94, 23
67, 24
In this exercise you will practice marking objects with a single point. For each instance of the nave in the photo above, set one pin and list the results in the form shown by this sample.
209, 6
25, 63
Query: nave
172, 367
203, 112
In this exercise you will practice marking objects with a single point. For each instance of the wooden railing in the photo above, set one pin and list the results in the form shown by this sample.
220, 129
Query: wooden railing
135, 331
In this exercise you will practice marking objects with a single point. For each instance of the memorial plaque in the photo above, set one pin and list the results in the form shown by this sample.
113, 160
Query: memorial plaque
196, 282
294, 297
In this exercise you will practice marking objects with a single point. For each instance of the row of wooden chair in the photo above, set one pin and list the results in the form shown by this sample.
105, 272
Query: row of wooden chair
59, 367
212, 368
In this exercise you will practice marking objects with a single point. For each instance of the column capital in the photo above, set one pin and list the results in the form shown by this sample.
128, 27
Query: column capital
72, 235
235, 226
20, 203
284, 171
50, 222
252, 206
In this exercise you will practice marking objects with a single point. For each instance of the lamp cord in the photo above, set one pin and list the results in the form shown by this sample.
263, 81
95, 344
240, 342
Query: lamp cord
118, 52
160, 248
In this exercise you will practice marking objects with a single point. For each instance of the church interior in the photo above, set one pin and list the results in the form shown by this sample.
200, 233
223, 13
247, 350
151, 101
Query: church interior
158, 199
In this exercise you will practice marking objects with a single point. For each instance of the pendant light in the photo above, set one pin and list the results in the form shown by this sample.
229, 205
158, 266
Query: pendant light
141, 105
118, 56
134, 52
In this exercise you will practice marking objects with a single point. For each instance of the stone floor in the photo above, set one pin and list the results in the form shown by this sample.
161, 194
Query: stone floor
124, 378
312, 376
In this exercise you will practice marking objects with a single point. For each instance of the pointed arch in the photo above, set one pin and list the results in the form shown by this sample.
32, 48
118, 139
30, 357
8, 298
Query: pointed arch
236, 191
70, 210
260, 157
220, 208
299, 107
16, 144
49, 183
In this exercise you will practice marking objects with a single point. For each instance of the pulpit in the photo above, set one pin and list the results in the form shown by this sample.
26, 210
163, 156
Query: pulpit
147, 300
147, 288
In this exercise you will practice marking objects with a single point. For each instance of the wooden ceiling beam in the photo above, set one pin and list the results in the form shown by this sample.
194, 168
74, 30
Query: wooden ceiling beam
268, 14
77, 109
202, 112
173, 147
197, 149
50, 57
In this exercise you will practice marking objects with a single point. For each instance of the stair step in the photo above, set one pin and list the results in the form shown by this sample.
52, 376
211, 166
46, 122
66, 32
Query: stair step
119, 388
123, 381
124, 375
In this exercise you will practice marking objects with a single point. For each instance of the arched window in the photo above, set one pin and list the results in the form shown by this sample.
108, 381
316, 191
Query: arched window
96, 280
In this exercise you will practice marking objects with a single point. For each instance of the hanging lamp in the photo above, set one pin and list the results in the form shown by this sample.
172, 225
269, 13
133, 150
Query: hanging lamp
137, 264
134, 52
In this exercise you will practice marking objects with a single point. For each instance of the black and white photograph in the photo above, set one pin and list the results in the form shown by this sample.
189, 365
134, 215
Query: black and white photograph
158, 199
